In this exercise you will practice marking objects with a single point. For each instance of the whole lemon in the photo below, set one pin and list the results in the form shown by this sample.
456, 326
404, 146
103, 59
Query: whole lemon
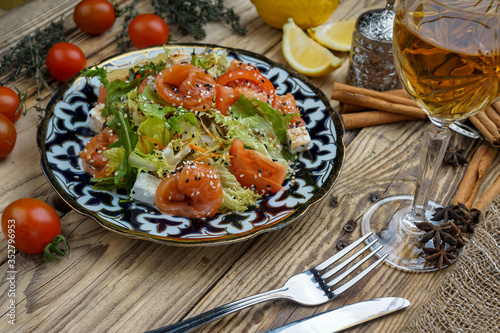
305, 13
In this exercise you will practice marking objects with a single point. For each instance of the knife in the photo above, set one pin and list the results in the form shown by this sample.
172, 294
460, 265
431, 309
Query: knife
345, 317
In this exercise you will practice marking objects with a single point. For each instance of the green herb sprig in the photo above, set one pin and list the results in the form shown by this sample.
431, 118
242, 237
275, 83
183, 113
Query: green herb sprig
190, 16
27, 57
128, 12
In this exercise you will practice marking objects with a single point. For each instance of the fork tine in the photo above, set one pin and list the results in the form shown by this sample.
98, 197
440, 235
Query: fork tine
342, 253
352, 268
358, 277
346, 262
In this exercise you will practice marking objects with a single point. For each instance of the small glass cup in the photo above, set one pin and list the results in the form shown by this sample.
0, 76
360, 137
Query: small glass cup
371, 57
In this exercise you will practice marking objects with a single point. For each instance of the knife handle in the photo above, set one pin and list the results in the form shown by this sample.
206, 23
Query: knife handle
206, 317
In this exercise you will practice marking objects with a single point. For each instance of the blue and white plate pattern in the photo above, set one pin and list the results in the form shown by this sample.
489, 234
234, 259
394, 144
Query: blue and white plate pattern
63, 134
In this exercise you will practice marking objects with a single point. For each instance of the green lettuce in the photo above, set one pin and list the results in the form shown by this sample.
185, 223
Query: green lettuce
236, 197
156, 129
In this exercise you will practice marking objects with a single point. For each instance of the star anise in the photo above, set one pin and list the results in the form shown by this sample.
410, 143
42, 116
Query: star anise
436, 233
455, 157
456, 233
439, 255
446, 214
468, 219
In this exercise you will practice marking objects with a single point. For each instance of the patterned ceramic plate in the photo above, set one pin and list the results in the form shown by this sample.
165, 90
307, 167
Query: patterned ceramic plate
63, 134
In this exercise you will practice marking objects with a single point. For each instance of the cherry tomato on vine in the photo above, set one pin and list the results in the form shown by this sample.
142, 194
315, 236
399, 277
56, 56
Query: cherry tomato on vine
65, 60
94, 16
33, 222
147, 30
9, 104
8, 136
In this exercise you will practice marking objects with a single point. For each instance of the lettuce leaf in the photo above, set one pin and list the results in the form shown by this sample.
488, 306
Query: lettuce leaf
236, 197
247, 107
156, 129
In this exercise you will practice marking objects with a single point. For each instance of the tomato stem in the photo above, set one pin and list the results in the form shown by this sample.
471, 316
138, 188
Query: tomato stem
56, 249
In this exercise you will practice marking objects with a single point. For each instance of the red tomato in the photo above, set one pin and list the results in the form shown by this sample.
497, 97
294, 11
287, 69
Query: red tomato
225, 97
33, 223
94, 161
65, 60
287, 104
94, 16
9, 104
8, 136
147, 30
193, 191
255, 170
186, 85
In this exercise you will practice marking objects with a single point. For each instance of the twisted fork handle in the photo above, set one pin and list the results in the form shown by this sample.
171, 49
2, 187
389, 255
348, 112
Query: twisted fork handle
223, 310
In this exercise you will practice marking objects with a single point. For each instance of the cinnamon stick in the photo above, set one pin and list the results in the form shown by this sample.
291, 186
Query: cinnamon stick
491, 194
348, 108
371, 118
476, 171
376, 100
488, 123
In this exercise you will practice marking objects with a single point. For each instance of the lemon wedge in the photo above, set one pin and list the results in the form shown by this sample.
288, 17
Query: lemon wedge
304, 54
336, 36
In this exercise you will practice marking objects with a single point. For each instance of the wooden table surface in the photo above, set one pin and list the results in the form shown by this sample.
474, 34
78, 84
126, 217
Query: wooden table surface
111, 283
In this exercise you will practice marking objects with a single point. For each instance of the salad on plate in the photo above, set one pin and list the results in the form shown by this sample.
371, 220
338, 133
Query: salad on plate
194, 135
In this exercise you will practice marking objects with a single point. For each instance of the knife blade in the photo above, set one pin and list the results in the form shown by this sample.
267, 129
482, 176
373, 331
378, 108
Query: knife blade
344, 317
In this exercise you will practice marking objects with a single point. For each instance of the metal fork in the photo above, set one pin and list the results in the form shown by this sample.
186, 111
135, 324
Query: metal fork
307, 288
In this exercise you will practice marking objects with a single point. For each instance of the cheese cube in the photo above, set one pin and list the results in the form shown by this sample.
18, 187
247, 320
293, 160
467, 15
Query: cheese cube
95, 120
298, 139
144, 188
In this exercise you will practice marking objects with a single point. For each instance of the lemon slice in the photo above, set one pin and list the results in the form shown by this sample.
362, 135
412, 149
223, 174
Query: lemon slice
336, 36
304, 54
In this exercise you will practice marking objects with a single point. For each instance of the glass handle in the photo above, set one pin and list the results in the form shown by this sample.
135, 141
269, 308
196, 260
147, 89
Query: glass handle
434, 145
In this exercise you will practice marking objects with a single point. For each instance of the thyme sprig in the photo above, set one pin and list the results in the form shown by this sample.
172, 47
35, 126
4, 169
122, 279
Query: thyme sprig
128, 12
27, 57
190, 16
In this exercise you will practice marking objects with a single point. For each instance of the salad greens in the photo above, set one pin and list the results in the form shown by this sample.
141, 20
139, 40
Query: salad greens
157, 137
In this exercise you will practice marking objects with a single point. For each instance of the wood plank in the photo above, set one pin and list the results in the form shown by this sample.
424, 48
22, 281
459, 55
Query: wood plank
117, 284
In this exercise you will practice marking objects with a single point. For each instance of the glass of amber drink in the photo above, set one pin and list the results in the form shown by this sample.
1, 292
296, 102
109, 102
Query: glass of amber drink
447, 54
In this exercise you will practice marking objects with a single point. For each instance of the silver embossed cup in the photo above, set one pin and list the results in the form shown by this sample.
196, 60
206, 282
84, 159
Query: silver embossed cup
371, 58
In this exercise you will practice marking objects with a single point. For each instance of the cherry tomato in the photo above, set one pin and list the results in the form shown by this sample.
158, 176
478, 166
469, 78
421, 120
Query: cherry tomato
194, 191
147, 30
8, 136
255, 170
186, 85
94, 161
33, 222
94, 16
65, 60
9, 104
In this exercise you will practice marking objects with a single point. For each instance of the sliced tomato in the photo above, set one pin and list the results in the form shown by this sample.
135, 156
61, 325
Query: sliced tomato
193, 191
142, 86
287, 104
103, 93
225, 97
187, 86
94, 161
255, 170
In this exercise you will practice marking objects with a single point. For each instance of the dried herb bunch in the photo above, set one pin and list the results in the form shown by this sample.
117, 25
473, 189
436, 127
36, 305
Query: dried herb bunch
128, 12
27, 57
457, 223
190, 16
